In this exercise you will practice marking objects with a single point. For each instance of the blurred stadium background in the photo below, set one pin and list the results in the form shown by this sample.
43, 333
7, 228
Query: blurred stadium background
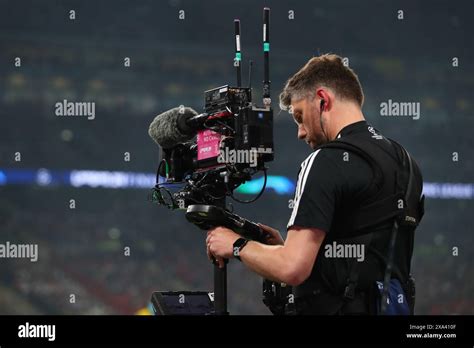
81, 251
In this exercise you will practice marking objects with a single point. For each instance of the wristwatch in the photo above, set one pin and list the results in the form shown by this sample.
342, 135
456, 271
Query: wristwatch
239, 244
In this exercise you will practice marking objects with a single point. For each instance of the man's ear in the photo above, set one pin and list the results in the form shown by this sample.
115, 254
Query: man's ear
324, 95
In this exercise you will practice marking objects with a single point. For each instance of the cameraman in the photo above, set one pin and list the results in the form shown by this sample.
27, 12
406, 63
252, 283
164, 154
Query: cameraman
343, 203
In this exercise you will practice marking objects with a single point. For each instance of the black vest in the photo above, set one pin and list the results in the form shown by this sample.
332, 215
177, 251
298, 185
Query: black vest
393, 194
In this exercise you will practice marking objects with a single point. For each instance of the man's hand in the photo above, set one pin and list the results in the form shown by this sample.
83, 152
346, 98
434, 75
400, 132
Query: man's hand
273, 235
220, 242
289, 261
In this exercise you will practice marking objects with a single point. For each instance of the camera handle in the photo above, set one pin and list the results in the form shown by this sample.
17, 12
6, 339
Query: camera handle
208, 216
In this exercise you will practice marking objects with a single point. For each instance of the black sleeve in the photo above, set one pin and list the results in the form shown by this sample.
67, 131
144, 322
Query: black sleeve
317, 190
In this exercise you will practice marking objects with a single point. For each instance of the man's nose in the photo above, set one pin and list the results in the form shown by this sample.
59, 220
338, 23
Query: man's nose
301, 132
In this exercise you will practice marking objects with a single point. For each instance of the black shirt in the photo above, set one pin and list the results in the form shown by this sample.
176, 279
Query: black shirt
329, 183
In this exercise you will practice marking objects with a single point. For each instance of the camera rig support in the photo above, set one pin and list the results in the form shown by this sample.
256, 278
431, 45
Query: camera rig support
230, 123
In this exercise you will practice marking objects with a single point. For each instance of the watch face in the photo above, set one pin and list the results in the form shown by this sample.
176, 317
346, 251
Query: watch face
238, 245
239, 242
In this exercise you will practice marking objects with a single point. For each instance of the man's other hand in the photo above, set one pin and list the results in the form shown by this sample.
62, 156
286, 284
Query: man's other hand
273, 236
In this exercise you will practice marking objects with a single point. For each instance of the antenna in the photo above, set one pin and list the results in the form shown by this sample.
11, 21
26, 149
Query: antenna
238, 54
266, 57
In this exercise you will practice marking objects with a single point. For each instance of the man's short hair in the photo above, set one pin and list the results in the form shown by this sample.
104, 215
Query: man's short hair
327, 70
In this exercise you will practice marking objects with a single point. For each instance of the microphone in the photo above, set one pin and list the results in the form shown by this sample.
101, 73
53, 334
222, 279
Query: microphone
176, 126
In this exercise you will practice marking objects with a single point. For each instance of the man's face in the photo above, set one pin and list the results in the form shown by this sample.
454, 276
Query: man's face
307, 117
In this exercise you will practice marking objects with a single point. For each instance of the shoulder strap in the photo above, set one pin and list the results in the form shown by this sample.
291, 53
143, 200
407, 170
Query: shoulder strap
393, 237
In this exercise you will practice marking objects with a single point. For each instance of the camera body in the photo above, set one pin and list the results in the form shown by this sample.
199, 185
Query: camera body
233, 142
